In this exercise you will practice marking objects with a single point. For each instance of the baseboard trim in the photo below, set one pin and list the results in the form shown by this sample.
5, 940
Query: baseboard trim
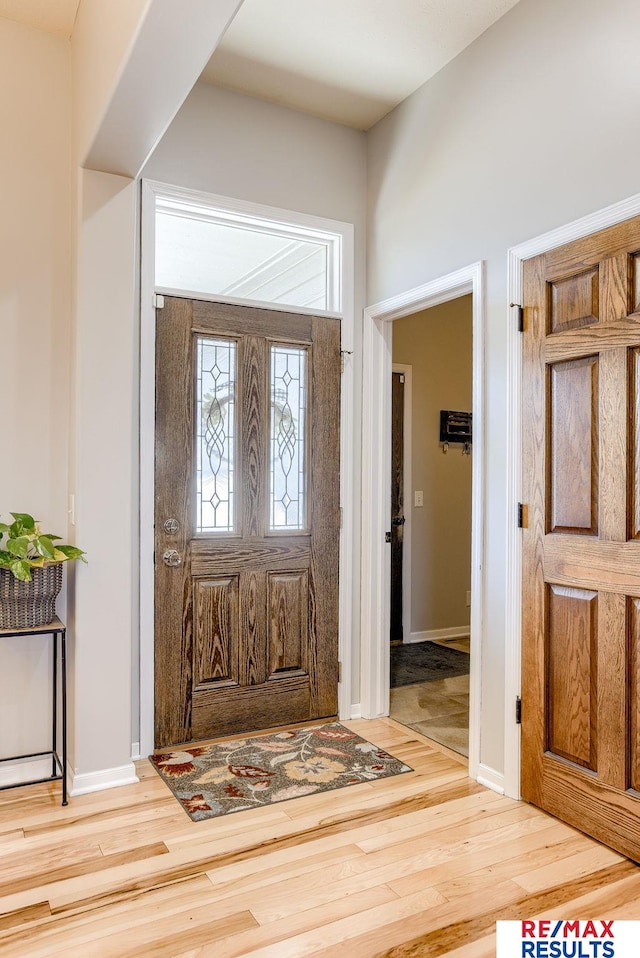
455, 632
103, 779
490, 778
21, 773
356, 711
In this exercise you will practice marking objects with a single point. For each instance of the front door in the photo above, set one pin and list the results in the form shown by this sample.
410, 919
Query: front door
246, 519
581, 478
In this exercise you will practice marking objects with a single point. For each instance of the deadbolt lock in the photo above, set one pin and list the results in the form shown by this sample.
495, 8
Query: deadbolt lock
171, 526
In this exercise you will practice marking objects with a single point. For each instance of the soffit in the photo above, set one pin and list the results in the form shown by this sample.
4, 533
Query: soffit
351, 61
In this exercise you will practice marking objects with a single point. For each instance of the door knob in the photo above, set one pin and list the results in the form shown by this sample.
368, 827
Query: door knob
172, 558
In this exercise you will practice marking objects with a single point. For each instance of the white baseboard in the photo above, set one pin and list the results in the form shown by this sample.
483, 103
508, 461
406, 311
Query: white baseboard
490, 778
456, 632
356, 711
105, 778
19, 773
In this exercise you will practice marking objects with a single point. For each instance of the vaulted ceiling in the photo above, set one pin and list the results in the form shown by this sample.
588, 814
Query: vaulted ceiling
350, 61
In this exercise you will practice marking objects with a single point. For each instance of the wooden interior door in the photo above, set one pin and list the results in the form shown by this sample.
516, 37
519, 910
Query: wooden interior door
397, 505
246, 519
581, 477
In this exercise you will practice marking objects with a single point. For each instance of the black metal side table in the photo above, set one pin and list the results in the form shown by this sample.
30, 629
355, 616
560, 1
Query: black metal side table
58, 766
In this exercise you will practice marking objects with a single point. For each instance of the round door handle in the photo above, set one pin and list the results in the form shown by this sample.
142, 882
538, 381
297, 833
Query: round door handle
172, 558
398, 521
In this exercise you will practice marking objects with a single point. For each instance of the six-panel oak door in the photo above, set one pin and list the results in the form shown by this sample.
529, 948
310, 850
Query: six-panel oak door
246, 519
581, 550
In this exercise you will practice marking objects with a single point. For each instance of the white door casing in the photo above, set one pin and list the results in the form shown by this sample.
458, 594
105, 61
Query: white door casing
376, 460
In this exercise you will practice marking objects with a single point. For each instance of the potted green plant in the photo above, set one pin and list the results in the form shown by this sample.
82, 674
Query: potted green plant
30, 572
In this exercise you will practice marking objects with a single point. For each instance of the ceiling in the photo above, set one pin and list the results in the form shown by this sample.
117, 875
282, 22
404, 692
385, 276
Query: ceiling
52, 16
350, 61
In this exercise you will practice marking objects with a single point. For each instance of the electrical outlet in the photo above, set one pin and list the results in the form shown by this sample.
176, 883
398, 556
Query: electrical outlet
468, 598
418, 499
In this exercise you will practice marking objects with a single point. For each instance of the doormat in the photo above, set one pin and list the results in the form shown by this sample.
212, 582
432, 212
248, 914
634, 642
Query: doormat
244, 773
425, 662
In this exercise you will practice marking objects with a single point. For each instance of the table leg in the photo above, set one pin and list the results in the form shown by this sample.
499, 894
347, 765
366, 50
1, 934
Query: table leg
63, 644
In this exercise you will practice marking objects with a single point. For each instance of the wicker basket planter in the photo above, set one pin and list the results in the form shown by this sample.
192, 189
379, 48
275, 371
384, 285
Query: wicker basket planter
25, 604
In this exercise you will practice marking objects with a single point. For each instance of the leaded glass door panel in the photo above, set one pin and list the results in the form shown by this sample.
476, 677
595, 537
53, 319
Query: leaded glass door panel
247, 519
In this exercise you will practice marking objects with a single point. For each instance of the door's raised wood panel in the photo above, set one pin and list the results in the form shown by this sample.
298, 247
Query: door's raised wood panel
215, 631
573, 446
574, 301
288, 616
572, 674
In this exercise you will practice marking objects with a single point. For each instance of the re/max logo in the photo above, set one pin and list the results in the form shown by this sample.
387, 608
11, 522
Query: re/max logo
567, 929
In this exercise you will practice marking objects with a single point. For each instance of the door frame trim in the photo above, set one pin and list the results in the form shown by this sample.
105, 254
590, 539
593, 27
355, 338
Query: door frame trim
516, 255
150, 189
407, 420
376, 483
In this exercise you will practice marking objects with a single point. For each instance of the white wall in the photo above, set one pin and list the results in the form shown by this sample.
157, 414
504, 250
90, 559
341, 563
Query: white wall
240, 147
531, 127
35, 298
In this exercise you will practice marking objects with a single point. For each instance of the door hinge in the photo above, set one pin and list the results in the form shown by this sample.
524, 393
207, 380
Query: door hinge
341, 515
339, 671
518, 710
343, 353
519, 315
158, 301
387, 536
523, 516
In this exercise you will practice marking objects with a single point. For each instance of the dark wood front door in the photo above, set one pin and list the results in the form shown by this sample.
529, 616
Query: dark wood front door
397, 504
581, 477
246, 519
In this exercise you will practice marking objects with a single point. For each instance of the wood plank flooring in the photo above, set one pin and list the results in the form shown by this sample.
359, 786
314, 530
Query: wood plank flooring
422, 864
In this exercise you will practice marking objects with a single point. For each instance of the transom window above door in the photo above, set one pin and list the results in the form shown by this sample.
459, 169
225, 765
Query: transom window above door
236, 256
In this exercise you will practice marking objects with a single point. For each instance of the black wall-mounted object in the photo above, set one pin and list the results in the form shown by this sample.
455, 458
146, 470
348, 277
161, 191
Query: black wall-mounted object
455, 426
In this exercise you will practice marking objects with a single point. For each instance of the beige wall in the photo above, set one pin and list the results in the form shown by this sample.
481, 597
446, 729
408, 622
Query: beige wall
35, 300
437, 344
529, 128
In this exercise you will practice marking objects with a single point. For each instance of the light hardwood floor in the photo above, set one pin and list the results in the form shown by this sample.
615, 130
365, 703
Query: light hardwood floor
418, 865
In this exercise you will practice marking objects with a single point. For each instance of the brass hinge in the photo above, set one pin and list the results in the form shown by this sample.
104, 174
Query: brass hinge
518, 710
523, 516
339, 671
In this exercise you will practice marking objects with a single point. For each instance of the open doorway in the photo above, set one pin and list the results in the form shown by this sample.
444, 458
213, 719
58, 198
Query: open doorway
430, 509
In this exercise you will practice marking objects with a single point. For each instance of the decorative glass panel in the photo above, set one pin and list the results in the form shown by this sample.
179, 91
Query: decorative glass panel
287, 493
215, 440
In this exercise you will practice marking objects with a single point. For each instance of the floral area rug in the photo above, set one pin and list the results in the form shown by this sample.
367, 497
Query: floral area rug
243, 773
